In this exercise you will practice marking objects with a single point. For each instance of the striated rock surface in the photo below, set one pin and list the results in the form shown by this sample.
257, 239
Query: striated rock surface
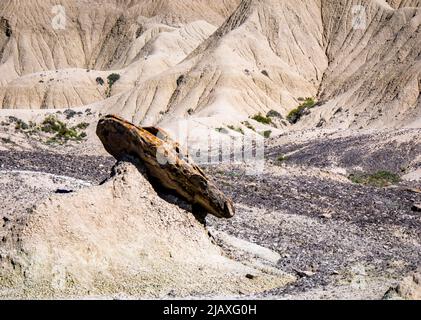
358, 58
164, 162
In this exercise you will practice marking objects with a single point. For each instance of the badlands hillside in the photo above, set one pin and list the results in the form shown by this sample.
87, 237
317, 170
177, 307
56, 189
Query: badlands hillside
330, 89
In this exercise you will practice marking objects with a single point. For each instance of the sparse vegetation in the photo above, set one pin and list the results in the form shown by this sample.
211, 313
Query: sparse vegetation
190, 111
69, 113
267, 133
273, 114
265, 73
19, 123
262, 119
180, 80
378, 179
100, 81
82, 126
295, 115
112, 79
238, 129
282, 158
7, 140
248, 125
62, 133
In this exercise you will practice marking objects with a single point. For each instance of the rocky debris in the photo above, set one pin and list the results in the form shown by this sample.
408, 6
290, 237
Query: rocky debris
396, 151
408, 289
371, 227
91, 168
165, 163
304, 273
416, 207
118, 237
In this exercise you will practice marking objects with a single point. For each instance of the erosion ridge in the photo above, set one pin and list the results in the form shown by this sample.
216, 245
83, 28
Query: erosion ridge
265, 56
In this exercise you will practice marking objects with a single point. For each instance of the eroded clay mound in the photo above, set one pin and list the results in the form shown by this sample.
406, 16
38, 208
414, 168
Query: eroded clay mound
119, 238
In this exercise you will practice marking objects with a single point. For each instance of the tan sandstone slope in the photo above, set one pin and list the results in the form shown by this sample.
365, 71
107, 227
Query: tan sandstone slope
217, 61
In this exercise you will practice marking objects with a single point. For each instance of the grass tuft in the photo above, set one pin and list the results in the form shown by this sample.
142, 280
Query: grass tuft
379, 179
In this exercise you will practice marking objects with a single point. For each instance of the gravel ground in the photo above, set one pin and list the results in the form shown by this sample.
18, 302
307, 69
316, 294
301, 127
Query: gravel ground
342, 240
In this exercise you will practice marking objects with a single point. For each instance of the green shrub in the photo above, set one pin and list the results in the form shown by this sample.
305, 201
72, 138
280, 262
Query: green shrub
61, 132
295, 115
378, 179
308, 103
248, 125
100, 81
51, 124
282, 158
267, 133
21, 125
273, 114
262, 119
82, 126
7, 140
239, 130
112, 79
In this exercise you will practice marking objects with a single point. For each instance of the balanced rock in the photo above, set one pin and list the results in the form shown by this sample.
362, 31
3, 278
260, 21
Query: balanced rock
165, 163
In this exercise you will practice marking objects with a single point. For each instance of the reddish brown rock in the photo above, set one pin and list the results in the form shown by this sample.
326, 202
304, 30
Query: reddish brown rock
177, 173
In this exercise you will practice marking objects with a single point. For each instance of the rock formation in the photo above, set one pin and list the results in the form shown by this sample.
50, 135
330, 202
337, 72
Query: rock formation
358, 58
164, 162
118, 238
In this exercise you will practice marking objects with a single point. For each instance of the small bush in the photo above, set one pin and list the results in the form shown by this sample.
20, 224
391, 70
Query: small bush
60, 130
21, 125
295, 115
7, 140
51, 124
248, 125
239, 130
100, 81
112, 79
273, 114
282, 158
378, 179
267, 133
262, 119
69, 113
190, 111
82, 126
265, 73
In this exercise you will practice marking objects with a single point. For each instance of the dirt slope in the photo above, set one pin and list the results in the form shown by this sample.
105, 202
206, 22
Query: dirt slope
118, 237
